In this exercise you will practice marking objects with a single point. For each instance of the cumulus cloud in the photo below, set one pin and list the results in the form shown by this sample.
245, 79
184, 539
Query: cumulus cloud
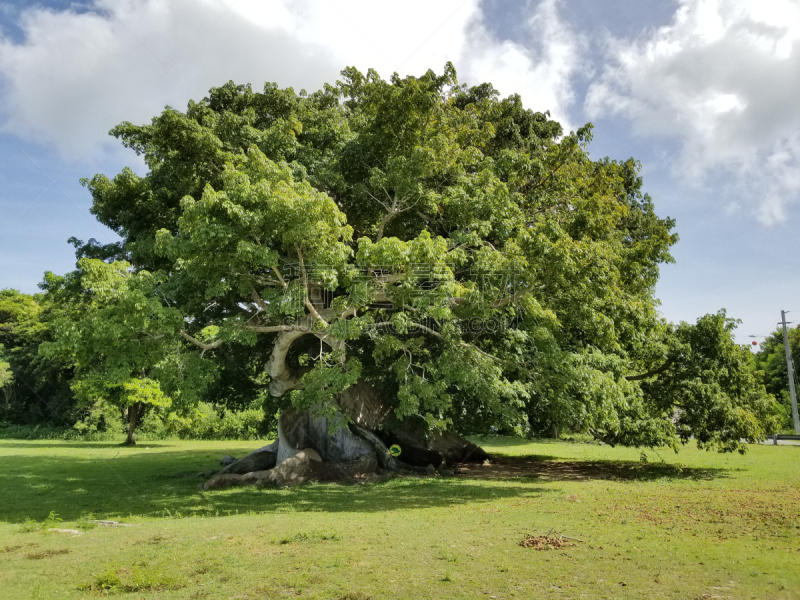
75, 74
723, 78
541, 67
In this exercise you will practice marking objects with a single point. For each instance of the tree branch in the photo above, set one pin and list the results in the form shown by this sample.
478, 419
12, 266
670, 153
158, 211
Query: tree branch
311, 308
277, 272
257, 299
510, 299
271, 328
598, 436
435, 333
652, 373
391, 212
199, 344
376, 200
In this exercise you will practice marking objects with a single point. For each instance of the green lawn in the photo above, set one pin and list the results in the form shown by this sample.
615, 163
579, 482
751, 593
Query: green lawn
699, 525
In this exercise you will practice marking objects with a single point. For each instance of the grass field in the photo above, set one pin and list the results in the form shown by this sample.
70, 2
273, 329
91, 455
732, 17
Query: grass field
693, 525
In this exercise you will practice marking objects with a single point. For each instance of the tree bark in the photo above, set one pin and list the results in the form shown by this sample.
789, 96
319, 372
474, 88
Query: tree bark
282, 379
133, 416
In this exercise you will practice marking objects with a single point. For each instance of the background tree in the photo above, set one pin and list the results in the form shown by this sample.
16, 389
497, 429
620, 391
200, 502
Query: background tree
6, 380
710, 385
451, 249
771, 360
36, 389
122, 342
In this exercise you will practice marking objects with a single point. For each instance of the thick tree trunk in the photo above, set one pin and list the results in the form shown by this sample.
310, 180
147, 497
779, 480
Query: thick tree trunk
133, 417
319, 448
347, 453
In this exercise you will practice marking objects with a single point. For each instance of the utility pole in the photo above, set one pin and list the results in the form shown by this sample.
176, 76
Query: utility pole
790, 368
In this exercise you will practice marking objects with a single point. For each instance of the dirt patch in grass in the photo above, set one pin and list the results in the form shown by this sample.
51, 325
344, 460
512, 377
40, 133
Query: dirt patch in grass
153, 540
545, 542
45, 554
513, 467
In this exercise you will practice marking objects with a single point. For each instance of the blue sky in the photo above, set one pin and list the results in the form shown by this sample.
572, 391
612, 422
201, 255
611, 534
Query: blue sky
703, 93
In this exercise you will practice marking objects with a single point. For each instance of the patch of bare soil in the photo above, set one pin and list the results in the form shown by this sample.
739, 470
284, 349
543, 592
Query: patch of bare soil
44, 554
545, 542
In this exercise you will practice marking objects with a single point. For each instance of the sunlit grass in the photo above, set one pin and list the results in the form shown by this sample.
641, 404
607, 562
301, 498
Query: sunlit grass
691, 525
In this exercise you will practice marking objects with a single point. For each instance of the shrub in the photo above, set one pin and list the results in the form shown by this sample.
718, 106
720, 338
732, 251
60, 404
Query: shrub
206, 423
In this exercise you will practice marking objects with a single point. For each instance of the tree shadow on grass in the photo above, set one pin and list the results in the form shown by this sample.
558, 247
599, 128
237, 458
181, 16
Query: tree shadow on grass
165, 483
552, 469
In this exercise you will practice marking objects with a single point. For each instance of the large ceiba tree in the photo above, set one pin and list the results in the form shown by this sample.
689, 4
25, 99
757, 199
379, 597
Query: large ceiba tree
449, 254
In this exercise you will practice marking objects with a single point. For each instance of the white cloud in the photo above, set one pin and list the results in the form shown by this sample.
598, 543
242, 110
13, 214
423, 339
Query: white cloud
723, 78
541, 70
75, 75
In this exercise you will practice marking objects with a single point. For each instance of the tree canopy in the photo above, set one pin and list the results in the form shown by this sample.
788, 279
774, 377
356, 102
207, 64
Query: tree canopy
771, 360
457, 250
121, 341
34, 388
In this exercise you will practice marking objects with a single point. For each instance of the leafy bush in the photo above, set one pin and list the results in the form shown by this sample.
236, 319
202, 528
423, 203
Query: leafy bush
48, 432
52, 520
101, 417
205, 423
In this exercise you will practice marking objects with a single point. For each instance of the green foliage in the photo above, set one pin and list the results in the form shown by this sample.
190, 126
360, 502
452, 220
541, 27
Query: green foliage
122, 341
33, 389
207, 423
6, 380
710, 387
324, 382
99, 418
50, 521
10, 431
771, 361
86, 522
203, 422
6, 374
